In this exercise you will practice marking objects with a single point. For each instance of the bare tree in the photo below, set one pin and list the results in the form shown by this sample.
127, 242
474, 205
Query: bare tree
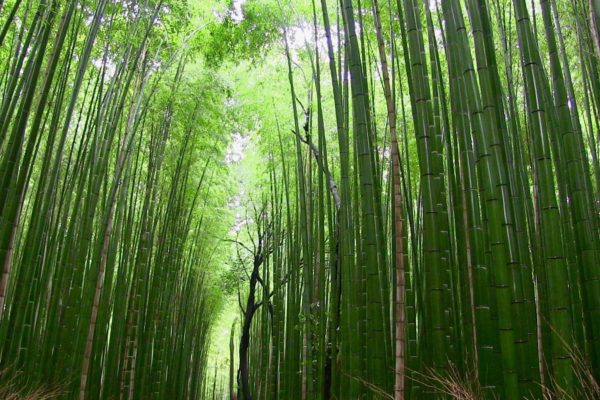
256, 254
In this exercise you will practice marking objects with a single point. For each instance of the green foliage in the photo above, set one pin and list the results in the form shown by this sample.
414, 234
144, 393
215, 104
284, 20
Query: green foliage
244, 33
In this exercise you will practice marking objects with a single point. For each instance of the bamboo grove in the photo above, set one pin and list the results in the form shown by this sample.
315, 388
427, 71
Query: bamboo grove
426, 223
431, 214
103, 201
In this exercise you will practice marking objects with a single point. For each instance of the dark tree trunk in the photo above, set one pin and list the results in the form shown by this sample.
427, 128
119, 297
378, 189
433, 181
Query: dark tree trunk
251, 308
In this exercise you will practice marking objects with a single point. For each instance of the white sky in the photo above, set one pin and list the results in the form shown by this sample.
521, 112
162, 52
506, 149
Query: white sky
237, 14
237, 148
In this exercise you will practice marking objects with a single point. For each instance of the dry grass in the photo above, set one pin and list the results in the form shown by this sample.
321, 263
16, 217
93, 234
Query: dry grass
466, 386
11, 388
451, 383
372, 388
589, 387
460, 386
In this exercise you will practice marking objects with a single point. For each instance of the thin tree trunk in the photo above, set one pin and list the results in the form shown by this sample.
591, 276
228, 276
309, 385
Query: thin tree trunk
594, 9
399, 312
231, 361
